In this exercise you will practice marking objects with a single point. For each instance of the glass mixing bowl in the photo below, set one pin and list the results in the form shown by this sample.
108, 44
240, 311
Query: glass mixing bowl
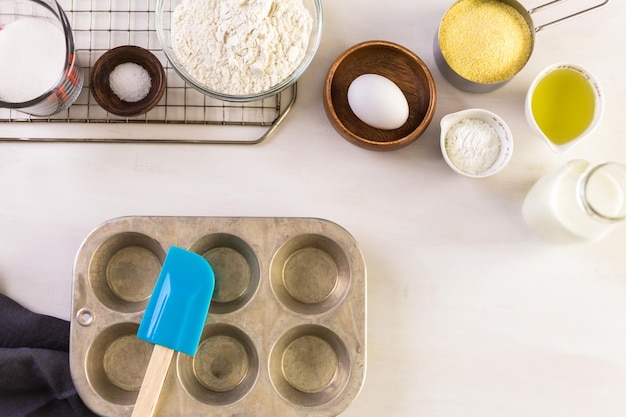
164, 11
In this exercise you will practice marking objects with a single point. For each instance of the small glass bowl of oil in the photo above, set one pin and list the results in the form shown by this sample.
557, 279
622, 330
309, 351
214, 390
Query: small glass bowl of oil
564, 104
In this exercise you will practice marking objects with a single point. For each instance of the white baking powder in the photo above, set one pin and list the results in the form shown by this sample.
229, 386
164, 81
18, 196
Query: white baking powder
472, 145
32, 58
130, 82
240, 47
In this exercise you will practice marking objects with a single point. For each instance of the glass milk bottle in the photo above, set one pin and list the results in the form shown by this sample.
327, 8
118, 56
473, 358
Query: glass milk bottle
577, 203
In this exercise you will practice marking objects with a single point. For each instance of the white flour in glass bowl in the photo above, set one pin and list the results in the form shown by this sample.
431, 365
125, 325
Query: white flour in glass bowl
240, 47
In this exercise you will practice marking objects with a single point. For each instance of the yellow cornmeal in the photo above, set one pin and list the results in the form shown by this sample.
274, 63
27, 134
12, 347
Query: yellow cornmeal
485, 41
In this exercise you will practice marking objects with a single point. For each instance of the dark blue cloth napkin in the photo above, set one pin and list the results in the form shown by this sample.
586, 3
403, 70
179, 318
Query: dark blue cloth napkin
35, 376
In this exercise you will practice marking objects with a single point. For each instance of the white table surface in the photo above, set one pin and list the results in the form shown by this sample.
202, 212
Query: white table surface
468, 313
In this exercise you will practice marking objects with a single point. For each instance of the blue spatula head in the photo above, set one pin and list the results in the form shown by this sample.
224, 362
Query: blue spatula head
179, 304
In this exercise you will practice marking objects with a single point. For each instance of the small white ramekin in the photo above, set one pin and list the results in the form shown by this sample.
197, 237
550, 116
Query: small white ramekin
495, 121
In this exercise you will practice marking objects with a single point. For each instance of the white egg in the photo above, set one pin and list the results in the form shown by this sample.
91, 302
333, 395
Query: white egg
378, 101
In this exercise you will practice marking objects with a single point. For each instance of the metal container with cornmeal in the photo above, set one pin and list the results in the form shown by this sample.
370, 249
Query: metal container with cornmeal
285, 331
483, 44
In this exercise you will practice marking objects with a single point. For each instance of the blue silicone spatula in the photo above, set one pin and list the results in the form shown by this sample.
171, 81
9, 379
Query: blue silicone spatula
174, 319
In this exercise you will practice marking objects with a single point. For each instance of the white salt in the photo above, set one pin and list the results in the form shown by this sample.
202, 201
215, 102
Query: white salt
32, 58
130, 82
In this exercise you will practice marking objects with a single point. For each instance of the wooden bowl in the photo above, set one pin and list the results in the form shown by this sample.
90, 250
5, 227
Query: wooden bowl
396, 63
101, 89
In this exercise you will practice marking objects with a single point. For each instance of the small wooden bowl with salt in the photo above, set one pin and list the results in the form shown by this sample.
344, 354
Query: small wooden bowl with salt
127, 81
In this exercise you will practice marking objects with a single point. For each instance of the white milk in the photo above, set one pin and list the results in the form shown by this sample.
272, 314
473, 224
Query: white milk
554, 209
32, 58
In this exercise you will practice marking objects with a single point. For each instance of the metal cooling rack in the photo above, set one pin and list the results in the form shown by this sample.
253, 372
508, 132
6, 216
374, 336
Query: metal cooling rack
184, 115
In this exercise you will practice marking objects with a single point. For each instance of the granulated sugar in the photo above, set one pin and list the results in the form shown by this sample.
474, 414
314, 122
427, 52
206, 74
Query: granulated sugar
130, 82
240, 47
32, 58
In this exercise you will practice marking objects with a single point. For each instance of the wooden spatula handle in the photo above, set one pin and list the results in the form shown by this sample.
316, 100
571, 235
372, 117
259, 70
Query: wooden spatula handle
153, 381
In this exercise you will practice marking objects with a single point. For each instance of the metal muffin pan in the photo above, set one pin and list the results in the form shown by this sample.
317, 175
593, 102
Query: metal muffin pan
286, 331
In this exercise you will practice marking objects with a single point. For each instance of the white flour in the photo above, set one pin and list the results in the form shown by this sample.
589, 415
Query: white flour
473, 146
240, 47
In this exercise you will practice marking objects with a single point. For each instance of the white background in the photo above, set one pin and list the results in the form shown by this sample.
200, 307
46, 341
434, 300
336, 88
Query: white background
468, 313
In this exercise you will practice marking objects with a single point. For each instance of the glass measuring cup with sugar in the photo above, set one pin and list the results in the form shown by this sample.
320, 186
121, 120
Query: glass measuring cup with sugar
39, 70
577, 203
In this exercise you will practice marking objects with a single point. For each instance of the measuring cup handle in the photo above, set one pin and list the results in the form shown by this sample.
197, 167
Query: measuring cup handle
563, 19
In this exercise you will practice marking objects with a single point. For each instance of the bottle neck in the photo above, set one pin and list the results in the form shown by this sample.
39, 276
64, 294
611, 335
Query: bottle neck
602, 192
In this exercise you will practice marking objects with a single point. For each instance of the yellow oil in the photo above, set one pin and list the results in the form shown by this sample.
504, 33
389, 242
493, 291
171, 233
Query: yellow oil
563, 105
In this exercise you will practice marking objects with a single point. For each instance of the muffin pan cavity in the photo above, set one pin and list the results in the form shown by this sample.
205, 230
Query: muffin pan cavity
310, 274
223, 370
116, 363
310, 365
124, 269
236, 270
285, 334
